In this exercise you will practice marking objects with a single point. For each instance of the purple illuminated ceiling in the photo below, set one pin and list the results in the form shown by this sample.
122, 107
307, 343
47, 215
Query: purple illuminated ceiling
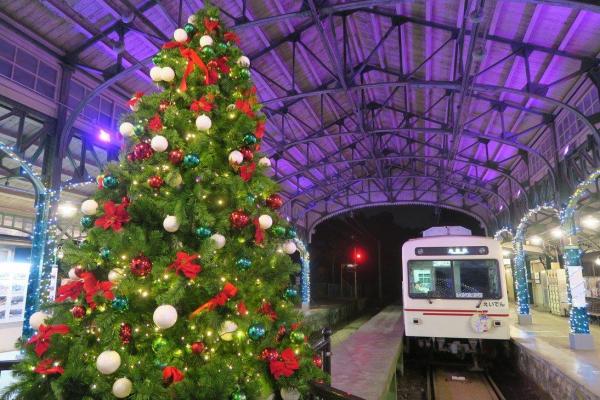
433, 102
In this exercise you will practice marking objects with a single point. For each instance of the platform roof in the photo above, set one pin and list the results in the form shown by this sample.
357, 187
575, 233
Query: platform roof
369, 101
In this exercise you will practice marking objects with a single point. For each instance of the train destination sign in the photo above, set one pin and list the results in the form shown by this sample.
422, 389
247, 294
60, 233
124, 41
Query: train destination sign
452, 251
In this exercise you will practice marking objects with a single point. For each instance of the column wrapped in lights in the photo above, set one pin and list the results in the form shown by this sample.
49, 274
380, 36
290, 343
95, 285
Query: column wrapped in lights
305, 273
578, 319
520, 277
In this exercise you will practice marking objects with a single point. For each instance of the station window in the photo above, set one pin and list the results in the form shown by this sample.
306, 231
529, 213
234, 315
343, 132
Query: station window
454, 279
101, 110
23, 67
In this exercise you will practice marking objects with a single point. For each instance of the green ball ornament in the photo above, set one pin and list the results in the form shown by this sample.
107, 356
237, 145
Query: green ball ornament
105, 253
190, 29
237, 95
244, 73
278, 231
238, 396
158, 344
221, 47
256, 331
120, 303
203, 232
191, 160
291, 233
250, 199
138, 130
243, 263
249, 139
207, 52
290, 293
110, 182
87, 221
297, 337
156, 59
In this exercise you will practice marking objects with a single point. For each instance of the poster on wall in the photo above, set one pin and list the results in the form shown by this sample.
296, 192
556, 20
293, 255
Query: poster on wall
577, 284
13, 291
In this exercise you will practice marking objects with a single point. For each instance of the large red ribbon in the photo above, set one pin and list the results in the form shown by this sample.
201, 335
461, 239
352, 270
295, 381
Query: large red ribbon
259, 233
194, 61
246, 171
184, 263
45, 333
43, 367
285, 365
219, 300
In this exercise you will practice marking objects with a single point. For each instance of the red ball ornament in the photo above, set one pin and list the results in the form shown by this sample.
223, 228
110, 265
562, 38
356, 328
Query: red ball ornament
131, 157
176, 156
198, 347
125, 333
269, 354
140, 265
156, 181
281, 331
239, 219
78, 311
125, 201
317, 361
164, 104
274, 201
142, 151
247, 153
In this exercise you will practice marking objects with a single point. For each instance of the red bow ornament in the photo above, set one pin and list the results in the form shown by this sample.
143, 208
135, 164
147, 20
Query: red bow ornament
259, 132
242, 309
219, 300
246, 171
41, 340
115, 215
172, 375
132, 103
245, 106
184, 263
259, 233
216, 66
201, 105
155, 124
44, 368
211, 25
286, 365
231, 37
267, 309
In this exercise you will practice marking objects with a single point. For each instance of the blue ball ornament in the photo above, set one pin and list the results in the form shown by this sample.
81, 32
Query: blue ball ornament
110, 182
203, 232
243, 263
290, 293
191, 160
120, 303
190, 29
138, 130
87, 221
291, 233
105, 253
257, 331
250, 199
250, 139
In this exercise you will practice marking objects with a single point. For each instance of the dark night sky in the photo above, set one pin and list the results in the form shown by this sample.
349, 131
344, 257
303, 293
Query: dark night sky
334, 239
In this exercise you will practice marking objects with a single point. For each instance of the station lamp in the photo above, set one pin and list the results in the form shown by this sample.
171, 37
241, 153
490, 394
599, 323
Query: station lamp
557, 233
67, 210
536, 240
590, 222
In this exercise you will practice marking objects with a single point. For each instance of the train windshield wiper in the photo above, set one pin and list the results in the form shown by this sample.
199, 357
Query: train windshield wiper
429, 295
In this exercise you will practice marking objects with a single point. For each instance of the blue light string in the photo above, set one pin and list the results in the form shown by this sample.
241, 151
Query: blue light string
578, 318
305, 273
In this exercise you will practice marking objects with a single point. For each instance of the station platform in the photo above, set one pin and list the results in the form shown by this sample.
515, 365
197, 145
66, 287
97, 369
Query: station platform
545, 356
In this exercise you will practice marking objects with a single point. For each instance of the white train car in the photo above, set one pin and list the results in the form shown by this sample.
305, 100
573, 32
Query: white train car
454, 287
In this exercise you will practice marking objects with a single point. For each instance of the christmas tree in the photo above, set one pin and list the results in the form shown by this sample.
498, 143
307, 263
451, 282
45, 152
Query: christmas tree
182, 287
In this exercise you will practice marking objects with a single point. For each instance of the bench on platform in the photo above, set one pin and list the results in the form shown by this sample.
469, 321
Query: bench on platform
365, 363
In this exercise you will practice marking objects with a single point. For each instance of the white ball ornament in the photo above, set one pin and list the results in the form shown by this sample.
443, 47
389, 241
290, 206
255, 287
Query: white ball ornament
159, 143
203, 122
108, 362
264, 162
122, 388
167, 74
227, 330
219, 240
243, 62
165, 316
73, 274
289, 394
289, 247
206, 41
115, 275
265, 221
37, 318
235, 157
170, 223
156, 74
89, 207
192, 19
126, 129
180, 35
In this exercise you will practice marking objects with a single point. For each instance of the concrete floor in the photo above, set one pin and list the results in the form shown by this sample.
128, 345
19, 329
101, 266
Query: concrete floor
548, 337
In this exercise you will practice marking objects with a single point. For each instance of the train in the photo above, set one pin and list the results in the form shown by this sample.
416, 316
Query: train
454, 290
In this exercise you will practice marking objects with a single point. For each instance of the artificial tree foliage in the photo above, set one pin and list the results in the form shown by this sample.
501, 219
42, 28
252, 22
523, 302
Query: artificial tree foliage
98, 311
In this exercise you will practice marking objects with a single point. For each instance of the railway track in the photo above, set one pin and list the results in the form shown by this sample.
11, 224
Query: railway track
455, 383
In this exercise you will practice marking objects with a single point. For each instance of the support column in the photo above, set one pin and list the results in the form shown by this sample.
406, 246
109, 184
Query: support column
579, 321
520, 280
305, 274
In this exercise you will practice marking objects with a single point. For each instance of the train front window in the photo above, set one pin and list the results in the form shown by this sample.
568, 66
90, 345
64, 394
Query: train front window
454, 279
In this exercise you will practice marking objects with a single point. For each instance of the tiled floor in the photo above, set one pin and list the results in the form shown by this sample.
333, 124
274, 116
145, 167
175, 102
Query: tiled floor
548, 337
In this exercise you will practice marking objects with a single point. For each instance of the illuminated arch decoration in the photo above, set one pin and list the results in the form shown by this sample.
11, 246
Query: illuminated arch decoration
520, 275
43, 241
579, 319
501, 231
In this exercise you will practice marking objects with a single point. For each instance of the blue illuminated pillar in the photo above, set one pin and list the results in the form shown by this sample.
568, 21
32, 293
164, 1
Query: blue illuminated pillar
579, 337
520, 279
305, 274
42, 248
